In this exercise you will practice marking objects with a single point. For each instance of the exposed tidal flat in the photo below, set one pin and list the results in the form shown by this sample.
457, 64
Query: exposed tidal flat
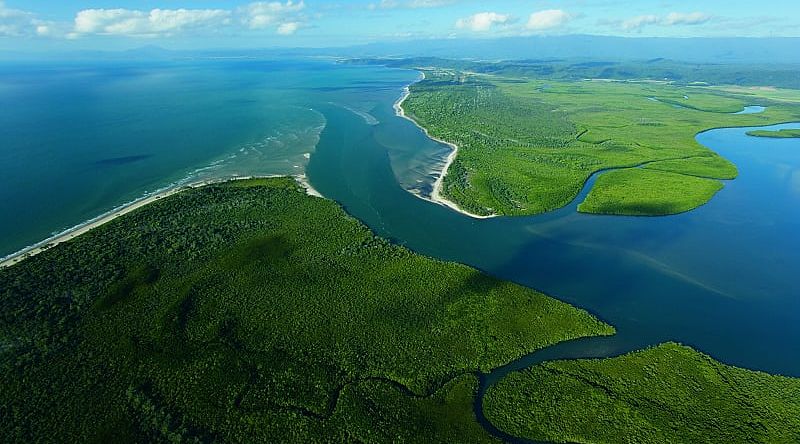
714, 278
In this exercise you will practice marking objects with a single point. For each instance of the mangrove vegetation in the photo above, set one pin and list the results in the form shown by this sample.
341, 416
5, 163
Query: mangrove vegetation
527, 145
249, 311
668, 393
647, 192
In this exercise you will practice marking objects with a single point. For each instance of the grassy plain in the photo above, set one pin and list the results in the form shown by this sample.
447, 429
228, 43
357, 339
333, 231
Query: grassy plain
643, 192
250, 311
528, 145
780, 134
669, 393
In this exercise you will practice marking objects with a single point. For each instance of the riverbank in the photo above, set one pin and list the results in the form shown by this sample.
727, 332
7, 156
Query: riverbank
166, 269
436, 194
124, 209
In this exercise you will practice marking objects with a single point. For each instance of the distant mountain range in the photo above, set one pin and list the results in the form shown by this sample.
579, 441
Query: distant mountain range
782, 50
696, 50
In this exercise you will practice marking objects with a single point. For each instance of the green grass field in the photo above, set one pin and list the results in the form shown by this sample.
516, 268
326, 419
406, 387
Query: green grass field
669, 393
780, 134
647, 192
527, 146
251, 312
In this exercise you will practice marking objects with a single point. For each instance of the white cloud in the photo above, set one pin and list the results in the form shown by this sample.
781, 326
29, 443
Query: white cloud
640, 21
410, 4
288, 28
143, 23
260, 15
18, 23
430, 3
548, 19
483, 21
671, 19
692, 18
285, 18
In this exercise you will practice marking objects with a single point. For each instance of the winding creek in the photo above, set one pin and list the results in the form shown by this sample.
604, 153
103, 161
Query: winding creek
721, 278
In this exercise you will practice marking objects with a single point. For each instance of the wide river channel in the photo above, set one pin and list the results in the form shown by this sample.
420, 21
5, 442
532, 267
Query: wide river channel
722, 278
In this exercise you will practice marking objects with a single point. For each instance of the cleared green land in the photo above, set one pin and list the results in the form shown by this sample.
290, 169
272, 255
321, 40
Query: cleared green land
780, 134
248, 312
528, 145
669, 393
642, 192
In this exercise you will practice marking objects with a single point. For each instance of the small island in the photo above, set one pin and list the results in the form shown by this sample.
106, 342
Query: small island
779, 134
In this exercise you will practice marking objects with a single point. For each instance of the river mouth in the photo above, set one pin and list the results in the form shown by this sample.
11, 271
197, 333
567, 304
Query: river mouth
719, 278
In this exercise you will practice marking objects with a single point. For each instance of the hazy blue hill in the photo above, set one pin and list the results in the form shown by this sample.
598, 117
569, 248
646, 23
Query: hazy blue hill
704, 50
745, 74
697, 50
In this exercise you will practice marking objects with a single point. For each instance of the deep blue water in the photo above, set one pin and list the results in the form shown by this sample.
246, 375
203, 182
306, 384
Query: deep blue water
79, 140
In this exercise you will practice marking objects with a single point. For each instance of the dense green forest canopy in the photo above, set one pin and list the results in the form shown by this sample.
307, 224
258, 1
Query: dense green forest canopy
669, 393
528, 145
648, 192
249, 311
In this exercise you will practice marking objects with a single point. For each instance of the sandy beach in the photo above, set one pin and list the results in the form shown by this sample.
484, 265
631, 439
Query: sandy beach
436, 195
301, 179
124, 209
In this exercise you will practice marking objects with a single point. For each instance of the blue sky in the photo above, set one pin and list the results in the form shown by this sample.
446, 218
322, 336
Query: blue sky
181, 24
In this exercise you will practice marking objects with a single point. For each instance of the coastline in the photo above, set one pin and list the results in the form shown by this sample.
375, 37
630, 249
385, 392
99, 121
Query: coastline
436, 195
85, 227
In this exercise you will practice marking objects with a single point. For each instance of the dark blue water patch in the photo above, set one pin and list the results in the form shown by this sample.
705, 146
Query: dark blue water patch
113, 161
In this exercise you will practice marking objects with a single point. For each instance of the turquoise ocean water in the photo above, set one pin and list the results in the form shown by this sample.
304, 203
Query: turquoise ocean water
79, 139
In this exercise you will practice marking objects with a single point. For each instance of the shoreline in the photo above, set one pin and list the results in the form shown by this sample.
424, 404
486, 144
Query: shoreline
121, 210
436, 196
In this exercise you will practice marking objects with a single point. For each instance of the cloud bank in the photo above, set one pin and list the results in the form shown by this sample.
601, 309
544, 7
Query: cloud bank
17, 23
156, 22
284, 18
671, 19
548, 19
483, 21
